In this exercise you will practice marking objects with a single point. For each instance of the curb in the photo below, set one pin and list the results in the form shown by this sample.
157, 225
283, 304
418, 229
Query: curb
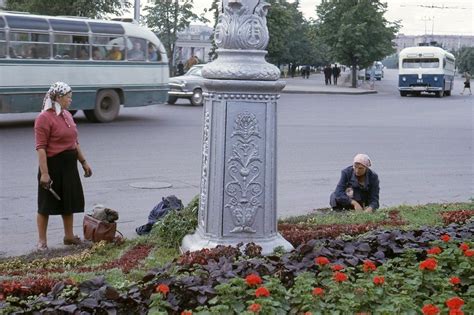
291, 91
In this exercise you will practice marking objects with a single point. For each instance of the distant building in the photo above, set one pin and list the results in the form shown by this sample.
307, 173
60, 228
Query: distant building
193, 41
448, 42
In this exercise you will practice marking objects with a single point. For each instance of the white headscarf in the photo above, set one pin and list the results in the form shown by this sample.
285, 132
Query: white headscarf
363, 159
57, 89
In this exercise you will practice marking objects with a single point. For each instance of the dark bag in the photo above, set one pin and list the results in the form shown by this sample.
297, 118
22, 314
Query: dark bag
159, 211
96, 230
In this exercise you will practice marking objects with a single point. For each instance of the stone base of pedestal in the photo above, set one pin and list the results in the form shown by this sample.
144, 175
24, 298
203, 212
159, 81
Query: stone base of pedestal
198, 241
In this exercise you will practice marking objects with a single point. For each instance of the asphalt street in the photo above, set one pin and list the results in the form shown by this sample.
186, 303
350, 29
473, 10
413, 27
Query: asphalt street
421, 148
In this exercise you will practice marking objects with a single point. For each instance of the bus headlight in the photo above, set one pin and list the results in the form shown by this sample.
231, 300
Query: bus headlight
404, 79
436, 78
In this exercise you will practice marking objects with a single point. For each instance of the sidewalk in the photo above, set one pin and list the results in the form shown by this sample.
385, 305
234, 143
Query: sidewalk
315, 85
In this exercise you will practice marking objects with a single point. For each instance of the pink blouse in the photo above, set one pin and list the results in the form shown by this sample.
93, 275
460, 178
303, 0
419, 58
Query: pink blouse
55, 133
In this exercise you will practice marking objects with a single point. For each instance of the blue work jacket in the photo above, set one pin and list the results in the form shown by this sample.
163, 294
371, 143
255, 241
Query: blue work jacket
367, 196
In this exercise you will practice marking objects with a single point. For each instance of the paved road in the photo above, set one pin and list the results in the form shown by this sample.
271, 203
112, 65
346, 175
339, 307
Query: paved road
421, 148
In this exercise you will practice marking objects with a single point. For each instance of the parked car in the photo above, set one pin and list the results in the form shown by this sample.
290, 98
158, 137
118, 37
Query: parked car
187, 86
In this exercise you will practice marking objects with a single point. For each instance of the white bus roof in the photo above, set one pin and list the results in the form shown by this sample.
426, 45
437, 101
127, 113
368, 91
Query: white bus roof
424, 51
79, 24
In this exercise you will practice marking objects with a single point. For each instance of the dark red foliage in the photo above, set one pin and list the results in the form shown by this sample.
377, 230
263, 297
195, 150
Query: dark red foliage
202, 256
458, 216
298, 234
28, 286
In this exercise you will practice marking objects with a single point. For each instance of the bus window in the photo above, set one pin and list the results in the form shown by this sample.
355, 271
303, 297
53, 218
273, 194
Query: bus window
3, 45
30, 45
429, 63
71, 47
113, 46
153, 53
138, 49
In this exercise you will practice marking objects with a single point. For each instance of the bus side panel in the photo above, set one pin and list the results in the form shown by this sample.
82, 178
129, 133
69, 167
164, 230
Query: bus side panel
145, 96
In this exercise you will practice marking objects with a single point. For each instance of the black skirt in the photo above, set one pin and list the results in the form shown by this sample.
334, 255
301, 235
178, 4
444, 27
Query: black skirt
467, 84
66, 183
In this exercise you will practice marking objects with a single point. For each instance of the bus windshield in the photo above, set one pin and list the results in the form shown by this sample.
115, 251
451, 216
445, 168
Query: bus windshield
421, 63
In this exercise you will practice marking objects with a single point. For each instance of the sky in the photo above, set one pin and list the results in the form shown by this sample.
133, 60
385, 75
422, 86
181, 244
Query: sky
442, 17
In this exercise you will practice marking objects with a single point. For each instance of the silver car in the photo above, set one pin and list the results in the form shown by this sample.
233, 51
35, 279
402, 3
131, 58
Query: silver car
187, 86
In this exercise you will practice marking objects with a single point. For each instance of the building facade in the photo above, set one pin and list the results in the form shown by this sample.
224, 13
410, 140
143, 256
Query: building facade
448, 42
193, 41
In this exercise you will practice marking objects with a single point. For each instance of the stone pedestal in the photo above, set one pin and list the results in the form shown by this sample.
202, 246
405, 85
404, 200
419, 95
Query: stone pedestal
238, 178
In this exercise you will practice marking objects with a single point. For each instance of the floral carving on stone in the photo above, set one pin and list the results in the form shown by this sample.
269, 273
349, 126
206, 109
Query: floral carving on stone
205, 168
241, 27
244, 169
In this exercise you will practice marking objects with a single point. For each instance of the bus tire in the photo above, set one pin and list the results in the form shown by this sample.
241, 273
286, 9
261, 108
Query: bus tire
403, 93
107, 107
447, 93
440, 94
197, 98
172, 100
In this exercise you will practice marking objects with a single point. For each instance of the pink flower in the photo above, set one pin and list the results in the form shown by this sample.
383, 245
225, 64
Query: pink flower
318, 291
339, 276
430, 309
253, 279
262, 291
321, 261
455, 303
369, 266
445, 238
379, 280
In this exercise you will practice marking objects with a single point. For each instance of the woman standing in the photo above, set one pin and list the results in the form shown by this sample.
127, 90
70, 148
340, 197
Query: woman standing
358, 187
59, 185
467, 83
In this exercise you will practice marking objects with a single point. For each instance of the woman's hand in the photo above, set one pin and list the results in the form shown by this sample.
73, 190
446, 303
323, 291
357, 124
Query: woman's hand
356, 205
87, 169
45, 180
368, 209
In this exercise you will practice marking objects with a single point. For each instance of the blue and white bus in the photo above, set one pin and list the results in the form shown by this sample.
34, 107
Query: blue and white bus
107, 64
425, 69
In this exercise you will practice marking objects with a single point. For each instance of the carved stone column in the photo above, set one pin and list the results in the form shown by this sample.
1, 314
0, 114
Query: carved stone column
238, 178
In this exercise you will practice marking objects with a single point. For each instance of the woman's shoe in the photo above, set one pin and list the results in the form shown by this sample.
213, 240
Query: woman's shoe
72, 241
41, 247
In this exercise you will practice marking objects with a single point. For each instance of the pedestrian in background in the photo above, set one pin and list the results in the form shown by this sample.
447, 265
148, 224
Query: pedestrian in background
467, 83
335, 74
59, 185
358, 187
327, 74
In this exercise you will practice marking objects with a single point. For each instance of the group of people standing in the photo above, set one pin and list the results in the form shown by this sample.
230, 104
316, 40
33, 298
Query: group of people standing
333, 72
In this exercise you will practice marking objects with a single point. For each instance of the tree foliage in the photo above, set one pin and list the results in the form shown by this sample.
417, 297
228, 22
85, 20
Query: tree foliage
465, 59
86, 8
167, 18
356, 31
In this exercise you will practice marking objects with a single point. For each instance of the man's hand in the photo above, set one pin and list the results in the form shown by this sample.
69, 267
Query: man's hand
368, 209
356, 205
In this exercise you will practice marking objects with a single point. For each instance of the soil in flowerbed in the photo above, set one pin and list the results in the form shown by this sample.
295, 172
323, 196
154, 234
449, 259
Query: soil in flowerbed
52, 253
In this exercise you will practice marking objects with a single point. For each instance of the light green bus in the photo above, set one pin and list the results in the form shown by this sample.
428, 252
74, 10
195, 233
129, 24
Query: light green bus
107, 64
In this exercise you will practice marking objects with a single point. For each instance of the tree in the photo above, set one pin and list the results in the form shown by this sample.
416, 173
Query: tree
356, 31
465, 59
167, 18
86, 8
215, 12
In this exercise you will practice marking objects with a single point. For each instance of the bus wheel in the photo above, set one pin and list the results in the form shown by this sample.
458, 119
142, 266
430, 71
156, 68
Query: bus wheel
107, 107
447, 93
440, 94
403, 93
172, 99
197, 97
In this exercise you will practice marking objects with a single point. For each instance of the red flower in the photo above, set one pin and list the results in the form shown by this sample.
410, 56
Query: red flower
434, 251
262, 291
455, 303
429, 264
186, 313
255, 307
339, 276
445, 237
369, 266
337, 267
162, 288
456, 312
318, 291
464, 247
253, 279
469, 253
321, 261
455, 280
379, 280
430, 309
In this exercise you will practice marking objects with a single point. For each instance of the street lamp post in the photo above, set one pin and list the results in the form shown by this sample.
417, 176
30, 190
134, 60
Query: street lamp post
238, 177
